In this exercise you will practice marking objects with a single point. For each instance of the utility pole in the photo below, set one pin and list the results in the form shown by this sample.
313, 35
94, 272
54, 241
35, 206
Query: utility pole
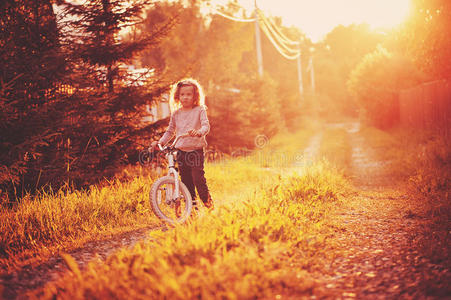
312, 74
301, 85
258, 42
311, 69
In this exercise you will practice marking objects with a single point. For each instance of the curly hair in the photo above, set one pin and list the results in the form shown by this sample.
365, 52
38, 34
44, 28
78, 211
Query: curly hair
199, 97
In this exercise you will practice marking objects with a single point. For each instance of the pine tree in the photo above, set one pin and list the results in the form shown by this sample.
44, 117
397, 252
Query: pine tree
31, 64
104, 127
70, 105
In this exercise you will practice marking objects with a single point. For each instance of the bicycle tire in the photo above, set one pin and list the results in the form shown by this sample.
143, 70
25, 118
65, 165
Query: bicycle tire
165, 212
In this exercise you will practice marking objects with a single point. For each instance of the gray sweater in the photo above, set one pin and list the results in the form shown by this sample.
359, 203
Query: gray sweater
183, 121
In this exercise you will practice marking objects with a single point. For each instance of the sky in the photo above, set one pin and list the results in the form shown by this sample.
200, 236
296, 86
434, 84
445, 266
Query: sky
318, 17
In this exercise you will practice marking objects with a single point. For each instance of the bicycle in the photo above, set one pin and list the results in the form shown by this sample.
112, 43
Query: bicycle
169, 197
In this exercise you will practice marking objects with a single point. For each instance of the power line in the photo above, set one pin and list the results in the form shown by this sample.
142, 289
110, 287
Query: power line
232, 18
283, 49
277, 37
276, 45
279, 32
282, 43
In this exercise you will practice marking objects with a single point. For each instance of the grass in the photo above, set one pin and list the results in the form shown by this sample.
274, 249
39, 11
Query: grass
41, 226
265, 240
270, 214
265, 222
36, 228
242, 250
421, 162
336, 148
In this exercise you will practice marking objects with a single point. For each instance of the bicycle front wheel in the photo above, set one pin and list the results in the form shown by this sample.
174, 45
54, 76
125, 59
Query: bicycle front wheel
163, 202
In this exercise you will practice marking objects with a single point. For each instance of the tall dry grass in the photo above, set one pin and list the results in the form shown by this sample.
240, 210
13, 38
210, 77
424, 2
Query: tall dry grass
266, 237
40, 226
244, 249
62, 220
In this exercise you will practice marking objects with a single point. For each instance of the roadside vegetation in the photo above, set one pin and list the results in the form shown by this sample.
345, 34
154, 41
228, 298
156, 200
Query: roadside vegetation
50, 222
245, 248
59, 221
420, 162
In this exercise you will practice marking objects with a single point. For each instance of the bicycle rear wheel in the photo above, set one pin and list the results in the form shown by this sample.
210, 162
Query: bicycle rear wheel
163, 204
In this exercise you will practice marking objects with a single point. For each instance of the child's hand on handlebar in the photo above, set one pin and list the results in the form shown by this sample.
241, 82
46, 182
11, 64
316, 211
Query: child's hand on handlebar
194, 132
153, 145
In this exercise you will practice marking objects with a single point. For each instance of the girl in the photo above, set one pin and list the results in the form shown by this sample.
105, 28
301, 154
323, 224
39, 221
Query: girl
190, 118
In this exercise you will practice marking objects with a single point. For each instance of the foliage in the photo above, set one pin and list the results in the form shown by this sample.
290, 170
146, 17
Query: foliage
55, 218
431, 181
58, 219
208, 49
333, 60
284, 72
31, 65
177, 55
238, 118
425, 37
375, 84
420, 162
71, 105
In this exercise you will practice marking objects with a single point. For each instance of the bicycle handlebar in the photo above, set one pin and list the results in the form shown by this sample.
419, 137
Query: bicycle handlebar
162, 148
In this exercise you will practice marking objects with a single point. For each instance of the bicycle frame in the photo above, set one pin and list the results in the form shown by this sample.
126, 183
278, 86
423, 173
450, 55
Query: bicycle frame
173, 172
171, 166
171, 189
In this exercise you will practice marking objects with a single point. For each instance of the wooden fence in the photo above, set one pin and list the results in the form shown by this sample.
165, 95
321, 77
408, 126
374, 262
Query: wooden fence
427, 106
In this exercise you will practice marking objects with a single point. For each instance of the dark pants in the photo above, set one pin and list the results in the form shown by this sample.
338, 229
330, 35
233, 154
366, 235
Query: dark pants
191, 169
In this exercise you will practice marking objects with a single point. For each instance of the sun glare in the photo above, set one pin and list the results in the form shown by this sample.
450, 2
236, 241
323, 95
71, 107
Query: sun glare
317, 18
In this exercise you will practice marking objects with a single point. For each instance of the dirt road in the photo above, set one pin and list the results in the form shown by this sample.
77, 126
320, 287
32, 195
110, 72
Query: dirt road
377, 243
380, 247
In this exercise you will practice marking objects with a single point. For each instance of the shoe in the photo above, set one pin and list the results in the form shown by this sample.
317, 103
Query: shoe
209, 203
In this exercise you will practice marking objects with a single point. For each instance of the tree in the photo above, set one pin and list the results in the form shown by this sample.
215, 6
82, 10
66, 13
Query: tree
31, 65
241, 115
104, 110
72, 105
426, 36
178, 55
375, 84
334, 59
284, 73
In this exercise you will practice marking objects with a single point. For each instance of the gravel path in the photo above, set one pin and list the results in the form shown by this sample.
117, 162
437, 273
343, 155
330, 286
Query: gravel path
379, 240
17, 284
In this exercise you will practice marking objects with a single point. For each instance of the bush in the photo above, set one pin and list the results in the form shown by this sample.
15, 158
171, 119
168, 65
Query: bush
431, 181
375, 84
